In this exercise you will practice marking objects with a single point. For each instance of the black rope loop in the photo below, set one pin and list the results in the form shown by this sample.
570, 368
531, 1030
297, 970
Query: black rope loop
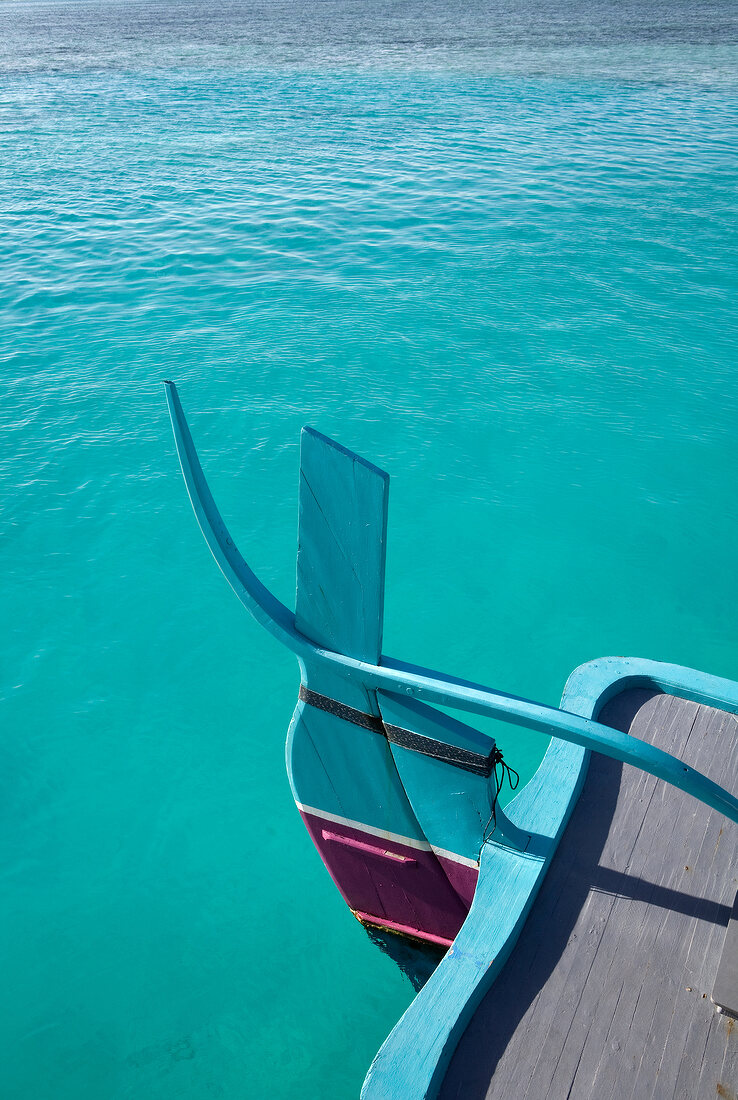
501, 771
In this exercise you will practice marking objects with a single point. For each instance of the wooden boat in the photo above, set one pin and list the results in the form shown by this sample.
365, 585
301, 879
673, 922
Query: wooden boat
401, 800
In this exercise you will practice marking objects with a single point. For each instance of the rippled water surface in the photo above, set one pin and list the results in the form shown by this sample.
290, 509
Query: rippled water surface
492, 248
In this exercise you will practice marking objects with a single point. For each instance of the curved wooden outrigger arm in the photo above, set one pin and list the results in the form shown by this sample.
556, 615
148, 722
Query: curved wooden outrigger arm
426, 685
265, 607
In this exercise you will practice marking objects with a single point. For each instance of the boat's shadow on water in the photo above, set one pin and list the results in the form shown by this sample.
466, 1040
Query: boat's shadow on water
575, 872
416, 961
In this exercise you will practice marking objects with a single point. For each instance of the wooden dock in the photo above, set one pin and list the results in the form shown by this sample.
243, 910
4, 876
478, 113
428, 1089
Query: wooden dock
608, 990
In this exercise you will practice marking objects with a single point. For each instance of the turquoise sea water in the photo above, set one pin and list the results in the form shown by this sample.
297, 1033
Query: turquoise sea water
491, 248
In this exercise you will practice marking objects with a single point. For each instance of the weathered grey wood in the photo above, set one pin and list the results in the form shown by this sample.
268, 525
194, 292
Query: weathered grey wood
607, 993
725, 990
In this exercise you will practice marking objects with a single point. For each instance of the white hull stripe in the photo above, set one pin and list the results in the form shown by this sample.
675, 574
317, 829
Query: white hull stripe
383, 834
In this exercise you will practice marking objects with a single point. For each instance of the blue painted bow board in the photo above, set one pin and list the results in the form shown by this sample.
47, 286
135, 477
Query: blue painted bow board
400, 799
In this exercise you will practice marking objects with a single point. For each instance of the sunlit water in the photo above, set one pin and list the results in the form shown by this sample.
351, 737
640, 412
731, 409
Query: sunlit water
491, 248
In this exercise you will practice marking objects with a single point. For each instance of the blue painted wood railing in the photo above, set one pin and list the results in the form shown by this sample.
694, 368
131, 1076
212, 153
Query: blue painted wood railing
433, 687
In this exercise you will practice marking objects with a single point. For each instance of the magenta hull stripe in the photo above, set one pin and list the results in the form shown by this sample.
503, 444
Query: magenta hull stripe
388, 882
462, 878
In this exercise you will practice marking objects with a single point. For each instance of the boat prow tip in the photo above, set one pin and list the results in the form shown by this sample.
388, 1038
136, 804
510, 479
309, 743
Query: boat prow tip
311, 438
172, 393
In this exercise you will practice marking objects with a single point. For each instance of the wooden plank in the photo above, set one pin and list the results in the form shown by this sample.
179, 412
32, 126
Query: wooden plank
556, 1016
725, 990
342, 541
675, 1035
653, 918
607, 991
